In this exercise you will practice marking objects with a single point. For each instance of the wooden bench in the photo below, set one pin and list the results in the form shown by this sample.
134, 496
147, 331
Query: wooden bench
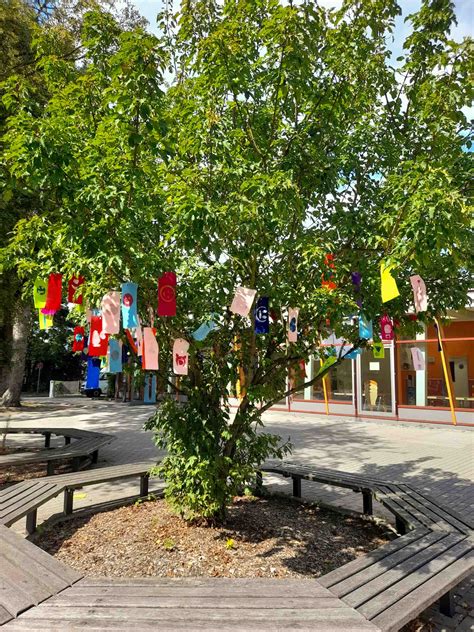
28, 575
392, 585
85, 445
23, 499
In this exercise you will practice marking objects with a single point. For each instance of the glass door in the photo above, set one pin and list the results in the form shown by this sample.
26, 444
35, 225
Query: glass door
376, 382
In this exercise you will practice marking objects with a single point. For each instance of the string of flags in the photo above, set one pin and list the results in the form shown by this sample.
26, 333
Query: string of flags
123, 305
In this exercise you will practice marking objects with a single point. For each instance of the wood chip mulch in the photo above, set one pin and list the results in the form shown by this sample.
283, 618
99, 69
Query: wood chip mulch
262, 537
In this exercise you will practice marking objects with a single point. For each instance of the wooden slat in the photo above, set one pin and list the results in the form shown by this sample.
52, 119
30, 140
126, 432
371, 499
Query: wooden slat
432, 508
349, 569
12, 600
395, 574
352, 583
394, 593
4, 615
416, 601
393, 504
17, 488
19, 510
24, 495
402, 499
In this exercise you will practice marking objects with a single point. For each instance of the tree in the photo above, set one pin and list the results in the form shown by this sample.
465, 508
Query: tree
241, 147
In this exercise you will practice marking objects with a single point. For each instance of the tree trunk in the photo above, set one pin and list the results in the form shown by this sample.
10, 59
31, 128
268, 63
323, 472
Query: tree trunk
20, 331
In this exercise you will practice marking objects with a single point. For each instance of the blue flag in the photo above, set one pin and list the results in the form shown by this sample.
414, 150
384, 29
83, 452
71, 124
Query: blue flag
365, 328
262, 319
129, 305
115, 356
203, 330
93, 372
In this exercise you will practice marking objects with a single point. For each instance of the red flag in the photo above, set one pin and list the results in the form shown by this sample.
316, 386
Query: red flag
167, 294
131, 341
78, 342
73, 284
98, 340
53, 295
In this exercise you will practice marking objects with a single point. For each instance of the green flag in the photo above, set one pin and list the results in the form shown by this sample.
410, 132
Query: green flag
39, 293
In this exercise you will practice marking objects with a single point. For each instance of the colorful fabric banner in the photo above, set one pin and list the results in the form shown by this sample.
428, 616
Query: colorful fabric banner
326, 363
93, 373
378, 350
386, 328
150, 349
327, 278
45, 321
293, 324
180, 356
204, 330
262, 318
389, 287
131, 341
129, 305
78, 341
242, 302
365, 328
53, 295
167, 294
420, 297
353, 354
418, 359
111, 313
39, 293
98, 340
115, 356
73, 296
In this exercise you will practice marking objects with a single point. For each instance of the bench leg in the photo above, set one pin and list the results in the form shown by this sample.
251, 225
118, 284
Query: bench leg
95, 456
400, 526
68, 501
144, 485
67, 440
296, 487
31, 522
258, 483
76, 463
47, 439
50, 468
367, 503
446, 604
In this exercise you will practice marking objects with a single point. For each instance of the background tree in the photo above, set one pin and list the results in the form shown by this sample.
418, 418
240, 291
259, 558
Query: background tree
281, 134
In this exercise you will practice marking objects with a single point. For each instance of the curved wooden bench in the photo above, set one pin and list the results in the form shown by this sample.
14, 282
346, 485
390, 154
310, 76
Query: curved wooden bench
86, 444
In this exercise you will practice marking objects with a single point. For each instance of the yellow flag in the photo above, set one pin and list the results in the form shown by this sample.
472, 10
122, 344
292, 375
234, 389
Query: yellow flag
45, 321
389, 285
39, 293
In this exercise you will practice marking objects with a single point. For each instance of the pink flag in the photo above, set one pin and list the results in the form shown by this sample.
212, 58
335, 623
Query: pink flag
293, 324
386, 328
111, 313
419, 293
180, 356
243, 300
418, 359
150, 349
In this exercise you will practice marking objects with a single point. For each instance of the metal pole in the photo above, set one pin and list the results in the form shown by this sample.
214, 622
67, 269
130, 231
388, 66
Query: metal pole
38, 382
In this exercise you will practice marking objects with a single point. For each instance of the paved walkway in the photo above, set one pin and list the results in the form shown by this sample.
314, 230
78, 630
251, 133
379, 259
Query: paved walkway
438, 459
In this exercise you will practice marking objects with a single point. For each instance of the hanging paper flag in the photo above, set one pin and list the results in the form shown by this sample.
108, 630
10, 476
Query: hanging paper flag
167, 294
242, 302
353, 354
328, 362
180, 356
115, 356
53, 295
98, 340
39, 293
386, 328
365, 328
204, 330
78, 342
356, 278
418, 359
139, 338
420, 297
131, 341
293, 324
129, 305
389, 285
111, 313
73, 285
150, 349
328, 282
93, 373
45, 321
378, 350
262, 321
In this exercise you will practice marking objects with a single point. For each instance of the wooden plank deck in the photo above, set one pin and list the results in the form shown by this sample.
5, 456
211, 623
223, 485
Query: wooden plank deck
222, 605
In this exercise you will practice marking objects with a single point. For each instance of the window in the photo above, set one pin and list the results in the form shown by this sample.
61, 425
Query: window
338, 382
